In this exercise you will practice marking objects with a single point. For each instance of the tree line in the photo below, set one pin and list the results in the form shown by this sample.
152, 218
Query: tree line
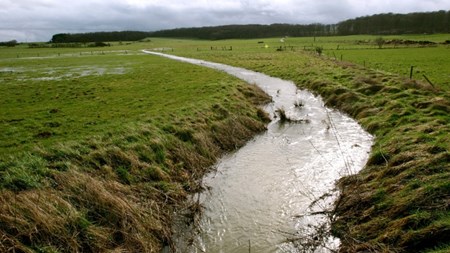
11, 43
386, 24
99, 37
248, 31
380, 24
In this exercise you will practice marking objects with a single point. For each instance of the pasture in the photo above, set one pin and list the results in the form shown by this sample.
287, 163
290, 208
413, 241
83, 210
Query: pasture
61, 96
398, 202
431, 60
136, 133
98, 148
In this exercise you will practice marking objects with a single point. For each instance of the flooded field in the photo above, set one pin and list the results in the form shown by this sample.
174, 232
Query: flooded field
59, 73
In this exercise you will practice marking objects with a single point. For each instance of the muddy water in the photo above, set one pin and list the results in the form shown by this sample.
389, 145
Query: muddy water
259, 195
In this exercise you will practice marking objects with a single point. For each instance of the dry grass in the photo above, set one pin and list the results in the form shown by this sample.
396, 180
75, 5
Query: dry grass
92, 207
82, 214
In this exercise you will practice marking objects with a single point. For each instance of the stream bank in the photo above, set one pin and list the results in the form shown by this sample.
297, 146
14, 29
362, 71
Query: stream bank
400, 201
261, 194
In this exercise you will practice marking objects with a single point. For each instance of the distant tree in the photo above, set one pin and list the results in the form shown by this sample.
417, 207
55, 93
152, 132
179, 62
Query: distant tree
247, 31
380, 42
389, 23
99, 37
60, 38
379, 24
11, 43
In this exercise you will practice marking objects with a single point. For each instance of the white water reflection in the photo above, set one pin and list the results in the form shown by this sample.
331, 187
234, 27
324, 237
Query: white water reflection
259, 194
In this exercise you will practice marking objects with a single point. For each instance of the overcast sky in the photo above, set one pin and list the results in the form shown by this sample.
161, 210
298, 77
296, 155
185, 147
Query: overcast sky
38, 20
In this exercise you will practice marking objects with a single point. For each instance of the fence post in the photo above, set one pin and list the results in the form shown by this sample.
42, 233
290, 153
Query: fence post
428, 80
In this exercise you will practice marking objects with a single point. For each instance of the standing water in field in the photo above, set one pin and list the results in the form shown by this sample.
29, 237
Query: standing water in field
260, 196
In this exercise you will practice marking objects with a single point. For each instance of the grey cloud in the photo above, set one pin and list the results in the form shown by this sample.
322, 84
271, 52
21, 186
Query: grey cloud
38, 20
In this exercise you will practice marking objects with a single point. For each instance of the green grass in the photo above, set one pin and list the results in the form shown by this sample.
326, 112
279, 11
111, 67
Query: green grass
98, 150
123, 136
426, 61
360, 49
49, 100
399, 201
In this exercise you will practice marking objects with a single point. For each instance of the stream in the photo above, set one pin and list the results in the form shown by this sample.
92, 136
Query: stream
259, 196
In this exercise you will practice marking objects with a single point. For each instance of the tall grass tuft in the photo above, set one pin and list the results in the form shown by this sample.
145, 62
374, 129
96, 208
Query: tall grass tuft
281, 112
283, 118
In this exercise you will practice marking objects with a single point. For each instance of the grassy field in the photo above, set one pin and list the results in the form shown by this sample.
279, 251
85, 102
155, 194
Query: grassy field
431, 61
98, 148
427, 60
400, 201
48, 100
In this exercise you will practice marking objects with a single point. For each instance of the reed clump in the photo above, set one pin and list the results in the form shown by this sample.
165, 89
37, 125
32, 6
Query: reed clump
284, 118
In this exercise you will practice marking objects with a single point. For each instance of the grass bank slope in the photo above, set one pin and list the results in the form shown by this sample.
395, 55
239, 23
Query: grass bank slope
400, 201
98, 149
